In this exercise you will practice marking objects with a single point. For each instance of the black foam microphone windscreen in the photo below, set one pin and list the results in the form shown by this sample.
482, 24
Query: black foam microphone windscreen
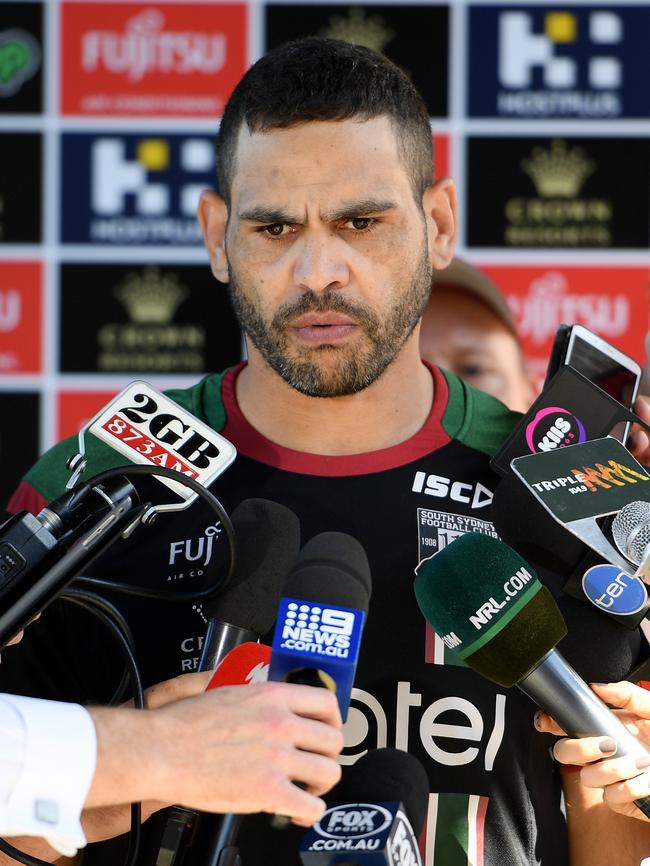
268, 541
390, 775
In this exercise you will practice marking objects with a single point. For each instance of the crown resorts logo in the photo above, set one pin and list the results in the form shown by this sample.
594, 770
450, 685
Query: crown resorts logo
150, 341
558, 216
577, 58
20, 59
359, 28
151, 297
558, 171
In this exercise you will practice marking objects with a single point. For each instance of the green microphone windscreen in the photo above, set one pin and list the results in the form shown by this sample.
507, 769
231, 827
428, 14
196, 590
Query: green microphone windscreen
488, 605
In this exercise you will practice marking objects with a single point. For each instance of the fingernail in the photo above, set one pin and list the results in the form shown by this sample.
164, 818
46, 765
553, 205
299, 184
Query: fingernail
642, 762
607, 744
536, 719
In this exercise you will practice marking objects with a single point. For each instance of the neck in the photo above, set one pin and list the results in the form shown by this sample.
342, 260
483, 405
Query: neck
388, 412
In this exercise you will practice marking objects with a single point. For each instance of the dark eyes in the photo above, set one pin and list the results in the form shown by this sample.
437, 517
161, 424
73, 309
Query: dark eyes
359, 225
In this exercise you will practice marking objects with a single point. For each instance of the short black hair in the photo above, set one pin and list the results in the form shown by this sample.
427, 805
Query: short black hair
315, 79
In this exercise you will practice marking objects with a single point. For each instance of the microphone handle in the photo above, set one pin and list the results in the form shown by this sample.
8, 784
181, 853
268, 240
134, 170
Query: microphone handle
555, 687
180, 827
220, 638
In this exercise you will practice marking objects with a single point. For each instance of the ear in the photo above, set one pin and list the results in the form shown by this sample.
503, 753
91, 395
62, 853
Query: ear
212, 215
440, 211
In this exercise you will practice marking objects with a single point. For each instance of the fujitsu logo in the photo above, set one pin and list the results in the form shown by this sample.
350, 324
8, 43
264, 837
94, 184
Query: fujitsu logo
10, 310
549, 303
187, 550
144, 47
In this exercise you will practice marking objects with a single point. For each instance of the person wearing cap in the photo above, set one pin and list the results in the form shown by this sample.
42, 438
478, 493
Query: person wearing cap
468, 329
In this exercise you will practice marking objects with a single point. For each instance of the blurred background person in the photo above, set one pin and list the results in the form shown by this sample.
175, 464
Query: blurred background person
468, 329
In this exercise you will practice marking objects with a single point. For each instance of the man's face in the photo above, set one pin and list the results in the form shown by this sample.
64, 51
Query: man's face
461, 334
327, 252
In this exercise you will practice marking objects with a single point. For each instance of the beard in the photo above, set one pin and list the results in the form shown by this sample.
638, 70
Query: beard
331, 370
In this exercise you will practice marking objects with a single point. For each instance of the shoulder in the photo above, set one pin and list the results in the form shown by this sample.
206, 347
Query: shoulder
49, 475
474, 418
204, 399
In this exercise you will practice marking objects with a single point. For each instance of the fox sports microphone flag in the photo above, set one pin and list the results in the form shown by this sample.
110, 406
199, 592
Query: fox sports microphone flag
374, 815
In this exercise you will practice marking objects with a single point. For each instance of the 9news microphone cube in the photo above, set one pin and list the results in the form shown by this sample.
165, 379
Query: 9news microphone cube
368, 834
315, 637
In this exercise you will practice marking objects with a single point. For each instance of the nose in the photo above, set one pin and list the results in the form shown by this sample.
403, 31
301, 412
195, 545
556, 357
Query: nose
320, 263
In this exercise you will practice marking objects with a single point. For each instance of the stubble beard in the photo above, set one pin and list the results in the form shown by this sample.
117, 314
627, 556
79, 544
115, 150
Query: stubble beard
344, 369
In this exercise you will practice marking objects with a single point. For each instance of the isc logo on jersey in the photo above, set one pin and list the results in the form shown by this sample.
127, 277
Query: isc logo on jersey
475, 495
141, 189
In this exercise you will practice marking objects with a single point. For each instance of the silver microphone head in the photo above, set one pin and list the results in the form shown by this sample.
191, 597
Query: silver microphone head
631, 530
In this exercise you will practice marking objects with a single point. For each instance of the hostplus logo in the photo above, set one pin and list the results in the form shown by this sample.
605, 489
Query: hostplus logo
142, 189
578, 57
553, 428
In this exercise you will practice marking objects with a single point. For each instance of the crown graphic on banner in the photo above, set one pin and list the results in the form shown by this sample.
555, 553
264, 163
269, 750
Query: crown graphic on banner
151, 297
558, 172
360, 29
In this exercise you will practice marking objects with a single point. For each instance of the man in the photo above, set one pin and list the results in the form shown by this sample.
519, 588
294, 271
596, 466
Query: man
468, 328
328, 231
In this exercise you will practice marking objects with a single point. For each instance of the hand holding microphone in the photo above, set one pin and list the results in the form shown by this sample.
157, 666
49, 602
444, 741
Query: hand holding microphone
622, 780
505, 625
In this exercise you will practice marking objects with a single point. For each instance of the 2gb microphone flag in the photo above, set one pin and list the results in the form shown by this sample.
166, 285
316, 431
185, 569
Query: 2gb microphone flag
147, 427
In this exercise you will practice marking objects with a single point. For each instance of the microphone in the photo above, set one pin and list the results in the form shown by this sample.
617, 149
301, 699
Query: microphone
320, 621
40, 555
631, 532
268, 537
374, 814
505, 625
246, 664
321, 616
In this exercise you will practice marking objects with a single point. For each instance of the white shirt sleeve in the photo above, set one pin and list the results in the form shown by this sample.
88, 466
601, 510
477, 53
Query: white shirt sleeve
48, 752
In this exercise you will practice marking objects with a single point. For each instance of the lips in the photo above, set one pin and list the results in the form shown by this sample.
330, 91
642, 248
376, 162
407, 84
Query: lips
322, 320
326, 328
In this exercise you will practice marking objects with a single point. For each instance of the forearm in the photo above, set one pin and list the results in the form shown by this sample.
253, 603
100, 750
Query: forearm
37, 847
598, 836
132, 761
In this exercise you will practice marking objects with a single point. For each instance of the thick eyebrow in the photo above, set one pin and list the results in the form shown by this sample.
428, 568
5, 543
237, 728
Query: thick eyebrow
360, 208
348, 210
263, 214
